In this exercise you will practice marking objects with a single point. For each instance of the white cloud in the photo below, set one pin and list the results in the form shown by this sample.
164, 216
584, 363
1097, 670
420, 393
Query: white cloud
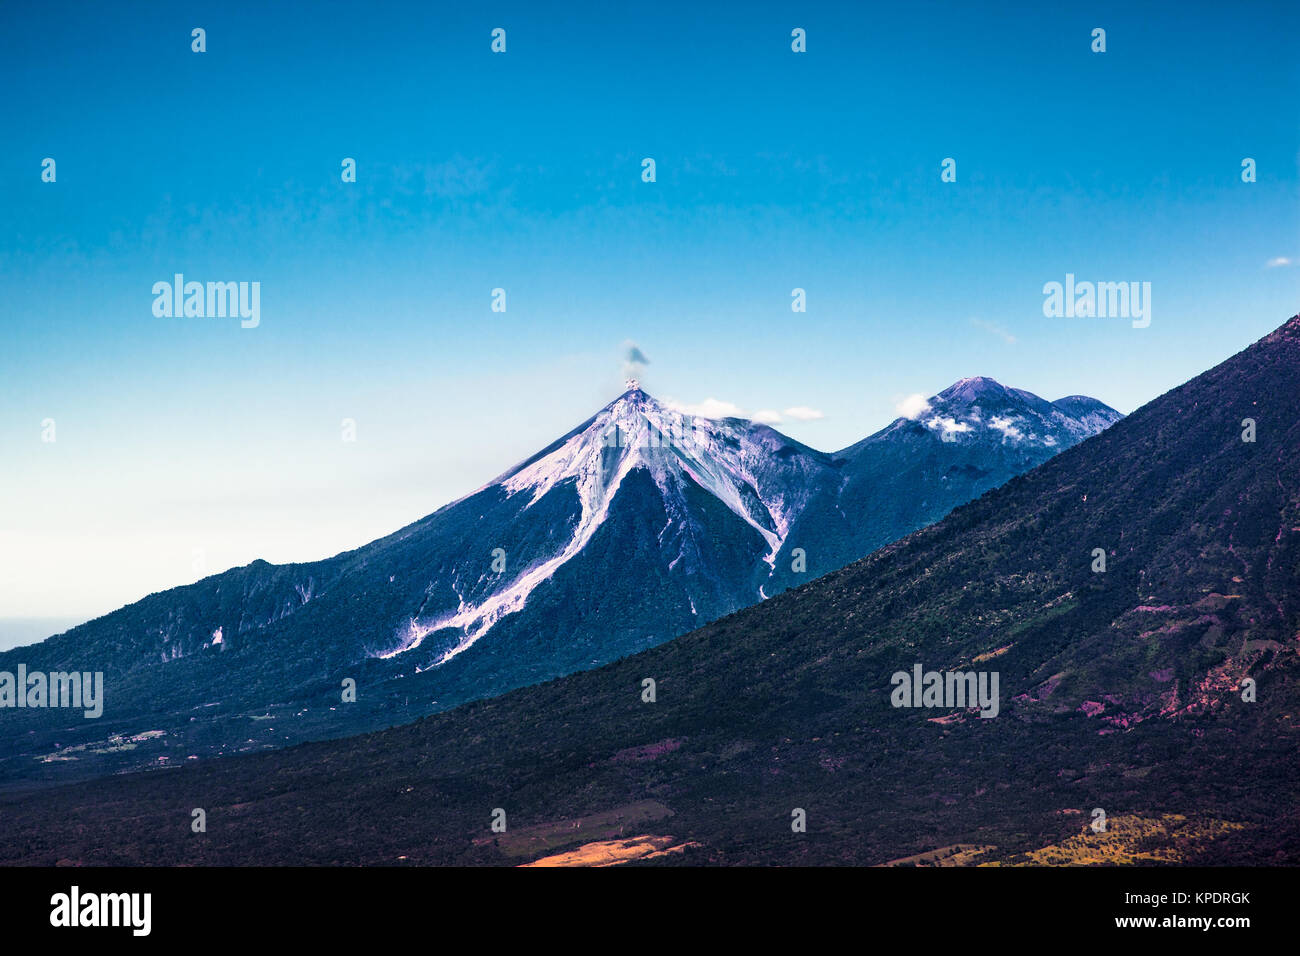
717, 408
709, 408
1007, 427
994, 329
805, 414
947, 425
913, 406
1278, 261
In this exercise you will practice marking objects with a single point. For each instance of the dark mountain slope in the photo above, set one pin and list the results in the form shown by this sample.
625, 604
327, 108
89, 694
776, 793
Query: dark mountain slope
1120, 691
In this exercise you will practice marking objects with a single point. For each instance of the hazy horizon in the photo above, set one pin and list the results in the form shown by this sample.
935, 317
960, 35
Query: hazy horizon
22, 631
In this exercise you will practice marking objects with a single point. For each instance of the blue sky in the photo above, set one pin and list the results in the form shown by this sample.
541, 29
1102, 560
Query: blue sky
185, 438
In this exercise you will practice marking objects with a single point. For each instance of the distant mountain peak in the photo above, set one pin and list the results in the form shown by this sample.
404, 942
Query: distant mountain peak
974, 388
982, 410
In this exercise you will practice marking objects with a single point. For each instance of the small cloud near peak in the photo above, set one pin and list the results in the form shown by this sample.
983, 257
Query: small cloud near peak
709, 408
913, 406
717, 408
803, 413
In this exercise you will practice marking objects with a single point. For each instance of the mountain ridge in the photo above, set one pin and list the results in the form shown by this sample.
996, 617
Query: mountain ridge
638, 525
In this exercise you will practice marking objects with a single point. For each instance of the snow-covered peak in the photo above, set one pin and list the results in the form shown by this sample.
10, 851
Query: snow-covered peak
710, 480
978, 388
732, 459
759, 475
982, 410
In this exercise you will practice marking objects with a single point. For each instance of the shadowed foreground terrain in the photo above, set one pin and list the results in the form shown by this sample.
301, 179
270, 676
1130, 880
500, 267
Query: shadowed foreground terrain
1120, 690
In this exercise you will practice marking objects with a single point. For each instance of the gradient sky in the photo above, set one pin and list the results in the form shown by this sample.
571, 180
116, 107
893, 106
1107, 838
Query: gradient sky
522, 171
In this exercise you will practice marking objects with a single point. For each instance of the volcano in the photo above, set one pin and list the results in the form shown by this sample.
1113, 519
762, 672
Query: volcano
640, 524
